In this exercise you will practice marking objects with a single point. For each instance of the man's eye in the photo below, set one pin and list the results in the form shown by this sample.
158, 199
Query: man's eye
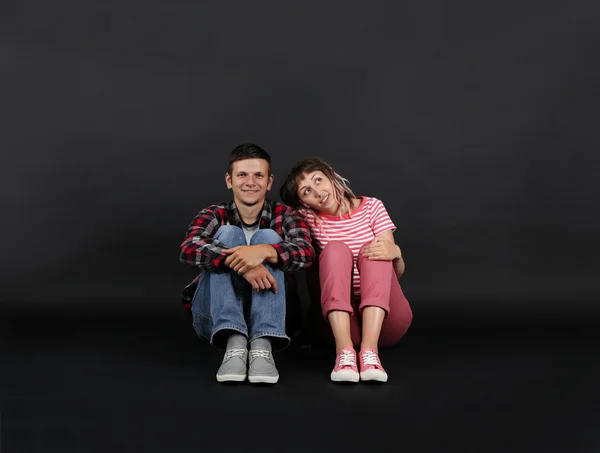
318, 180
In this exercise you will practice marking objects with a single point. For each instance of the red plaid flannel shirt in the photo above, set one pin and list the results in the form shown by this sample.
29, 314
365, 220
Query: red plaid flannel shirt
201, 250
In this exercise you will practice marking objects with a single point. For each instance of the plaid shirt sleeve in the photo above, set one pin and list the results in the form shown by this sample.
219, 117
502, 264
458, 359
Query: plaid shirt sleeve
295, 250
199, 248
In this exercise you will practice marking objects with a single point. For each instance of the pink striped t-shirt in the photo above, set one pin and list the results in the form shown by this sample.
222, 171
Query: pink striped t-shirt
367, 221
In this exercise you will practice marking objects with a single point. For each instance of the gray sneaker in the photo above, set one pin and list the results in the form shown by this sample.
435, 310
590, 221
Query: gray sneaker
262, 367
234, 365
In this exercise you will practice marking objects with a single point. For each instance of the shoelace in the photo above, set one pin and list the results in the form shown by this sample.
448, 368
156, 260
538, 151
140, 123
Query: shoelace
234, 352
370, 358
346, 359
254, 353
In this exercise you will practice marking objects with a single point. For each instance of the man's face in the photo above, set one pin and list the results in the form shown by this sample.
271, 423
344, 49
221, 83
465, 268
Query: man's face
249, 180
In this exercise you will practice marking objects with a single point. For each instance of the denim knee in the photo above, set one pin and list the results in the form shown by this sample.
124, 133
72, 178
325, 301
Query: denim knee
231, 236
265, 236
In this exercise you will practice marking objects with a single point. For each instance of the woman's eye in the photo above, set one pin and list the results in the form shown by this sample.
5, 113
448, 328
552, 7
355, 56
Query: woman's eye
318, 180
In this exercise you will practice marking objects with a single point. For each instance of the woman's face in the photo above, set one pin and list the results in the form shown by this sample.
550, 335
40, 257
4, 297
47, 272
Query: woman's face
316, 191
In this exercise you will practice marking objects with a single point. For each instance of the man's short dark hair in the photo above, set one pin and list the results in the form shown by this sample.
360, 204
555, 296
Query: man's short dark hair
248, 151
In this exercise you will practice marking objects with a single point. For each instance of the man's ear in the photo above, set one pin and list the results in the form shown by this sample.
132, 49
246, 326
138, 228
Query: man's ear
228, 181
270, 183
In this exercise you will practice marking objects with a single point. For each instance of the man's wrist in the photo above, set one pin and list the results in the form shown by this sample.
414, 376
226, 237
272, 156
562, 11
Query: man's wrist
271, 255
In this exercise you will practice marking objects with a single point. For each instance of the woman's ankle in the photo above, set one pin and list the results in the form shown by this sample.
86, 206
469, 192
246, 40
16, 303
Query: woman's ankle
369, 346
343, 345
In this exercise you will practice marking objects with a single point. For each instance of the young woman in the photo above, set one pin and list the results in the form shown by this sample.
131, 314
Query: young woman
358, 268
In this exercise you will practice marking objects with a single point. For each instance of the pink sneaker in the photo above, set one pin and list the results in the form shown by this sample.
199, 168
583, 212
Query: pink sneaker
345, 366
370, 366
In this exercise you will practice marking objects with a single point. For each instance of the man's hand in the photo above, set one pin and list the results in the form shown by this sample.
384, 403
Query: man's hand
382, 250
245, 257
260, 278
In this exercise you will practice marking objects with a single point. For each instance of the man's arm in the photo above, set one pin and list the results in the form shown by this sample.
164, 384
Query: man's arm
295, 251
270, 254
199, 248
246, 257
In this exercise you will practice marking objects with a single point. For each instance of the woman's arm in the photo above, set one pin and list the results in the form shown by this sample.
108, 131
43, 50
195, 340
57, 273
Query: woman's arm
384, 248
398, 261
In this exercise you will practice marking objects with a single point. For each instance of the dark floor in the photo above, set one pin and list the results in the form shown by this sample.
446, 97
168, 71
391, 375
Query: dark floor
110, 381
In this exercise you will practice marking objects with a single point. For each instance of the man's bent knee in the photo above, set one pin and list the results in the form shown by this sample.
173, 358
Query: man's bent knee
265, 236
231, 236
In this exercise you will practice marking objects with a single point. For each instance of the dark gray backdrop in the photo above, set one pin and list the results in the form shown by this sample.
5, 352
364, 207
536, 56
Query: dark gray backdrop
475, 122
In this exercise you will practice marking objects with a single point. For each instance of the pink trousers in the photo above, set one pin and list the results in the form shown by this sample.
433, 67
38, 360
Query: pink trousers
379, 287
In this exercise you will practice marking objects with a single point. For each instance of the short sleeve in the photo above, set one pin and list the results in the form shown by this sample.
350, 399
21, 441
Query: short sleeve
380, 219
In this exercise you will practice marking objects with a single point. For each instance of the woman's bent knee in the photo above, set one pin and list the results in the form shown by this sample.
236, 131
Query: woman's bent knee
335, 249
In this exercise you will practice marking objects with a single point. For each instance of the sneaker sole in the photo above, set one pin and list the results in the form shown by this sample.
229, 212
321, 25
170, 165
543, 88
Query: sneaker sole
231, 377
344, 377
263, 379
373, 376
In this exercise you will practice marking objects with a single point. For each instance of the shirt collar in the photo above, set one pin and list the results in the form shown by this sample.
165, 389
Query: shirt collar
265, 215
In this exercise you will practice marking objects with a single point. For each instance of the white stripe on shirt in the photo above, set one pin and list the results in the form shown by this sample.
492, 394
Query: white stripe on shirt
367, 221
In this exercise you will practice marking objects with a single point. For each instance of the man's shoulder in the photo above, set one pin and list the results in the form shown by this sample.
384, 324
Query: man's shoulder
279, 208
279, 204
219, 206
219, 211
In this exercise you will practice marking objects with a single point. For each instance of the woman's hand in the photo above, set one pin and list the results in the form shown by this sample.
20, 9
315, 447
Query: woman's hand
380, 249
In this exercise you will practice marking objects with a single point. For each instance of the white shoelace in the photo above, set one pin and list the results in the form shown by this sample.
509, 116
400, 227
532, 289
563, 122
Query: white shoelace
370, 358
346, 358
254, 353
234, 352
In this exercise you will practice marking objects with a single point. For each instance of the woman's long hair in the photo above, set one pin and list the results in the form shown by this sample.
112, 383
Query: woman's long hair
342, 195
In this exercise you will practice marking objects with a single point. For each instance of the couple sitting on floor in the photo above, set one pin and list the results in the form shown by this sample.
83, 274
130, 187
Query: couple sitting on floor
247, 250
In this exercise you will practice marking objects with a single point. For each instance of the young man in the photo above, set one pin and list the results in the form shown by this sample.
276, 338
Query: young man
243, 248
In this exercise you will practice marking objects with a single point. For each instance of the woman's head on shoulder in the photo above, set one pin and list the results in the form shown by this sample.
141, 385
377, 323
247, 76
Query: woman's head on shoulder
312, 184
